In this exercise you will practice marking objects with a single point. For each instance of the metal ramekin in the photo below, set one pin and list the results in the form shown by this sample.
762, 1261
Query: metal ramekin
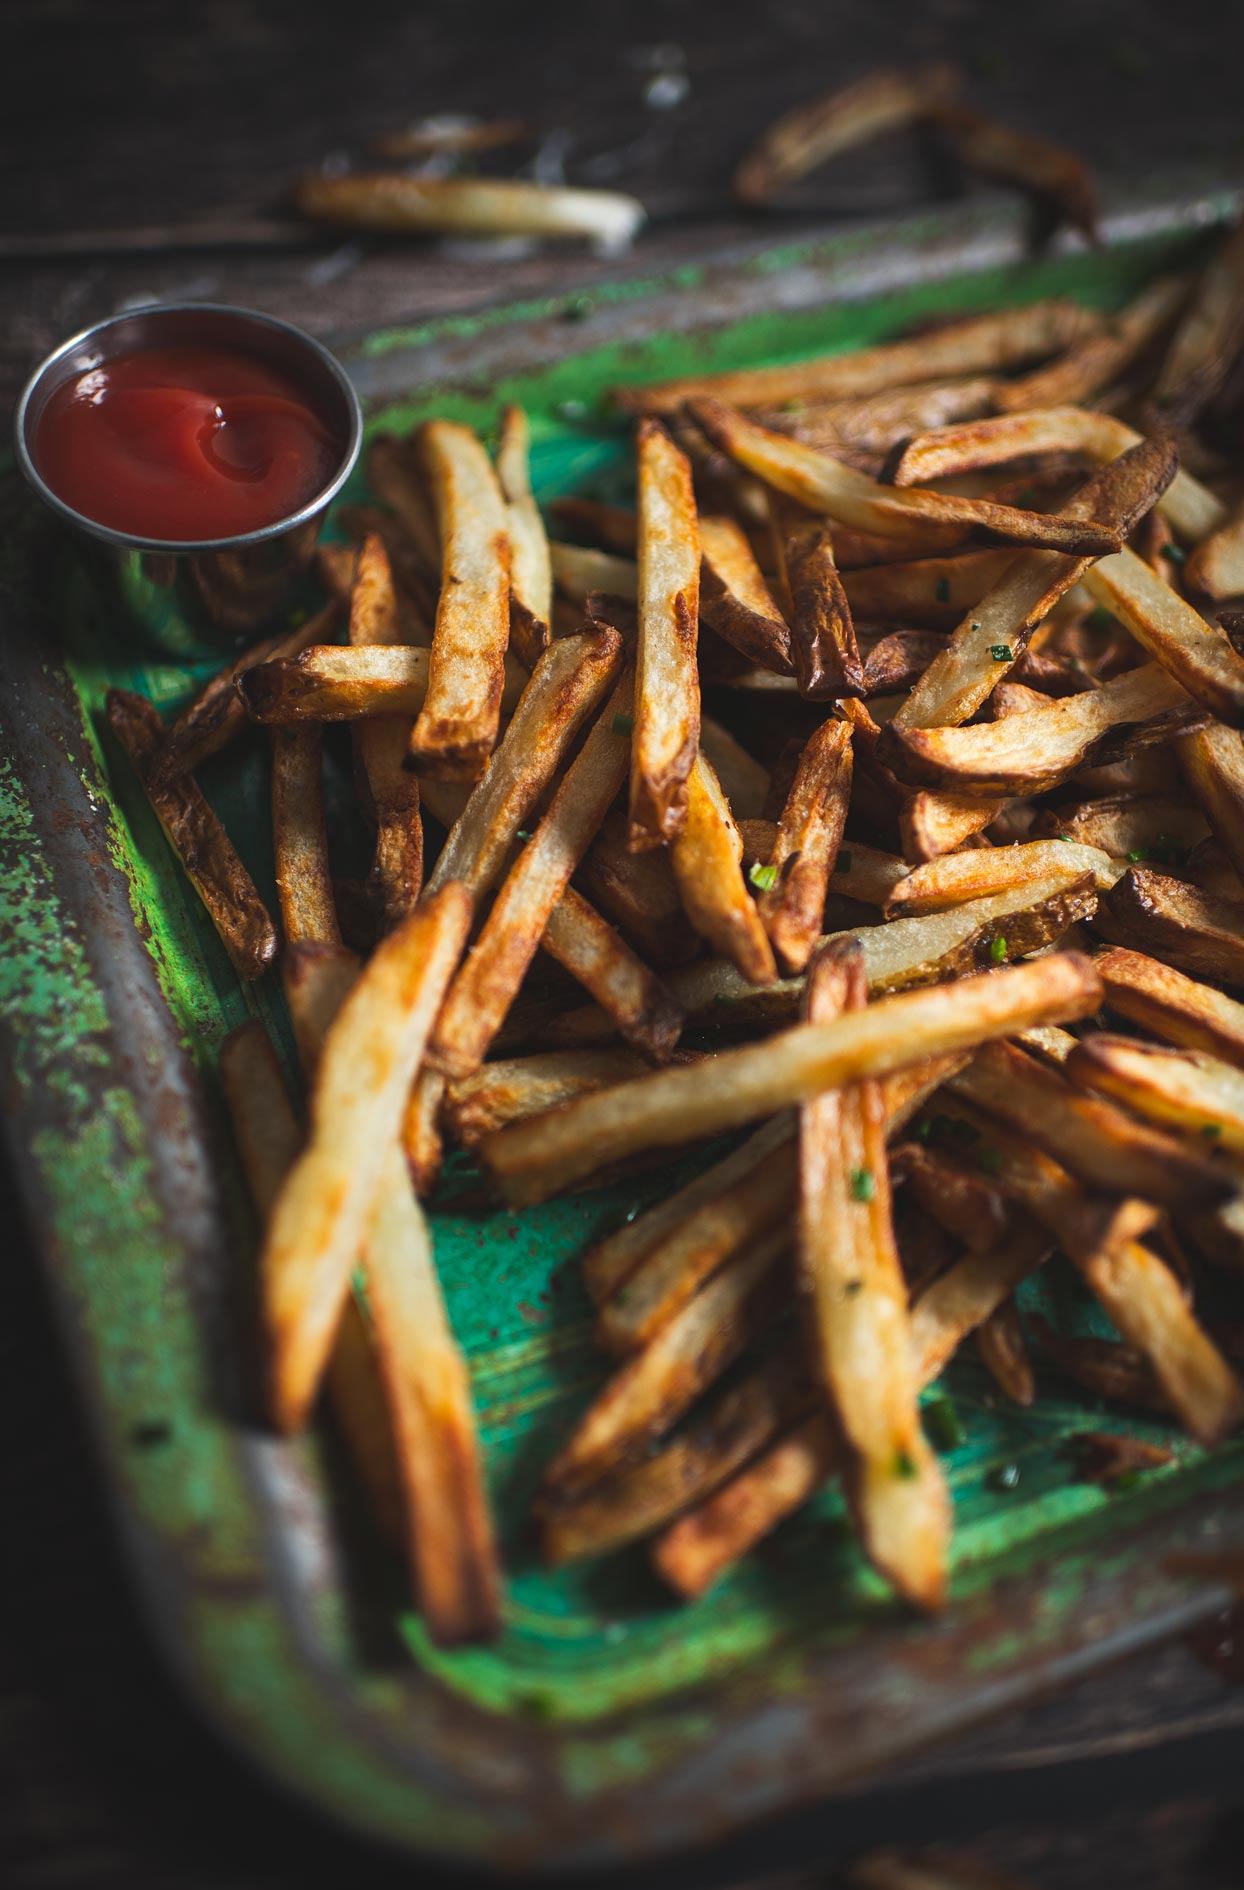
232, 586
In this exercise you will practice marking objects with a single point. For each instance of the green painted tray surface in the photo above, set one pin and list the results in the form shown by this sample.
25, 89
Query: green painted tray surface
601, 1649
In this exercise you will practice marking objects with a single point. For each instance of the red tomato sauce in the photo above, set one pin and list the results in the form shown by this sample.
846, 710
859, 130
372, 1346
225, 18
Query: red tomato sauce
184, 443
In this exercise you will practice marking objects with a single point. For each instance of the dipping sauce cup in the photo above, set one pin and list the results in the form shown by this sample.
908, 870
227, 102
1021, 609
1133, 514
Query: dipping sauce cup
136, 427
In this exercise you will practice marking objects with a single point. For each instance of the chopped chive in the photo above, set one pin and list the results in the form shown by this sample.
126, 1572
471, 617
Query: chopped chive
863, 1184
997, 950
523, 835
1002, 652
943, 590
764, 878
904, 1465
1211, 1130
1004, 1476
622, 724
1176, 553
843, 863
990, 1159
943, 1423
1135, 855
976, 626
1065, 837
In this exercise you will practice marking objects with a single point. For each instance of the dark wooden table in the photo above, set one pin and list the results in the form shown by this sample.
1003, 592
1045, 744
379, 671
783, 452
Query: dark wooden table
128, 128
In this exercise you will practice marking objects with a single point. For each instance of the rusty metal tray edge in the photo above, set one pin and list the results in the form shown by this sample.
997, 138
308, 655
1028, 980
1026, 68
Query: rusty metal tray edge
237, 1607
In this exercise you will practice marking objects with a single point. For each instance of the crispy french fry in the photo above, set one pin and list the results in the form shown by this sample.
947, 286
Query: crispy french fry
394, 203
1031, 753
1057, 180
667, 684
1187, 1090
980, 344
866, 429
735, 600
983, 872
1003, 1352
369, 1060
331, 683
585, 944
509, 1090
932, 823
299, 838
1194, 932
867, 873
1212, 765
706, 853
530, 1161
1099, 360
822, 642
488, 982
531, 573
810, 134
218, 715
794, 881
927, 593
456, 728
639, 893
1173, 1007
568, 683
924, 519
855, 1300
1197, 654
198, 839
1206, 343
380, 745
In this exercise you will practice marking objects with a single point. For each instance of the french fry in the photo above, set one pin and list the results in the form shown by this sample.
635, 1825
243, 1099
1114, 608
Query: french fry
530, 1161
1058, 181
639, 893
369, 1060
489, 979
511, 1089
585, 944
1197, 654
422, 1142
218, 715
1187, 1090
531, 574
1103, 1367
667, 684
591, 522
412, 573
980, 344
1206, 343
394, 203
299, 839
988, 641
568, 684
927, 593
855, 1301
380, 747
794, 882
1128, 826
395, 479
580, 570
705, 853
822, 641
1031, 753
745, 783
928, 520
334, 566
983, 872
197, 838
1216, 567
332, 683
1212, 765
1173, 1007
867, 873
864, 430
456, 728
966, 1205
1190, 507
810, 134
932, 823
1100, 360
735, 600
1195, 932
1003, 1351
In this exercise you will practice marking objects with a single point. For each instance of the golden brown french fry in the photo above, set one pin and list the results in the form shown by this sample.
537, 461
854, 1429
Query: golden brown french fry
810, 134
667, 684
933, 823
568, 683
735, 600
394, 203
422, 1143
986, 644
1003, 1351
533, 1160
218, 715
299, 837
1187, 1090
395, 479
1194, 931
980, 344
1196, 653
332, 683
983, 872
1212, 765
494, 969
644, 1013
855, 1299
865, 430
380, 746
867, 873
927, 593
795, 879
1189, 506
1216, 567
456, 728
706, 855
369, 1060
822, 641
531, 574
1175, 1008
1057, 180
1030, 753
1100, 360
639, 893
1206, 343
924, 519
197, 838
511, 1089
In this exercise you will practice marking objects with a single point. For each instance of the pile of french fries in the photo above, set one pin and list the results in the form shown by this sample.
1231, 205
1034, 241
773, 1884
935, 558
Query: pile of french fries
940, 910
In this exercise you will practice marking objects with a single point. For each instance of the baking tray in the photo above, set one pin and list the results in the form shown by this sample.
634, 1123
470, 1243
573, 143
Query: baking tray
608, 1726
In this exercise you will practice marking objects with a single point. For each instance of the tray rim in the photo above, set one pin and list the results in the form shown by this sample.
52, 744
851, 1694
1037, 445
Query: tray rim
171, 1588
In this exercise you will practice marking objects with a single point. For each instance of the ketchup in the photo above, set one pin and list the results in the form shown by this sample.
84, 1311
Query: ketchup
184, 443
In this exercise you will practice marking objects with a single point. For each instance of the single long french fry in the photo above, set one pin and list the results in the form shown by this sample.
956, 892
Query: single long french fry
369, 1060
980, 344
568, 683
532, 1160
1053, 176
456, 728
1187, 1090
299, 837
822, 642
332, 683
706, 855
795, 879
983, 872
867, 427
735, 600
824, 484
1212, 765
812, 133
197, 838
643, 1010
531, 573
511, 1089
667, 684
1100, 360
1173, 1007
395, 203
1194, 931
381, 743
1197, 654
495, 967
